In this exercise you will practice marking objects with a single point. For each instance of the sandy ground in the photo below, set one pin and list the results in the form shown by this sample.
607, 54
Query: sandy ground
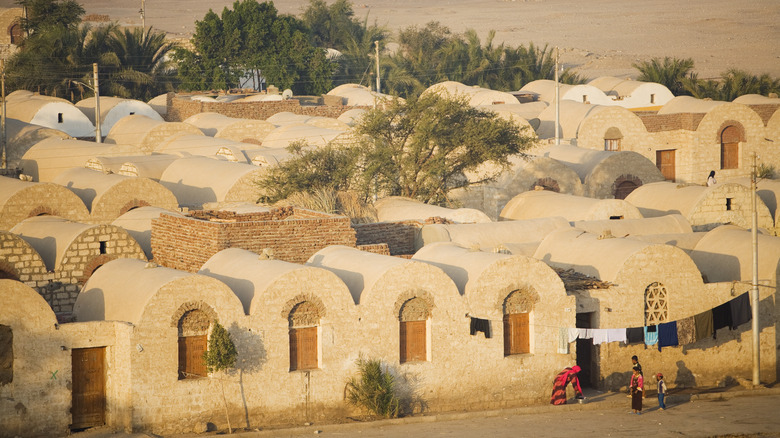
598, 37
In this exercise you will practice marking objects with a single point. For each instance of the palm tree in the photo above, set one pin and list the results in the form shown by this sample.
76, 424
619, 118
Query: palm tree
143, 69
671, 72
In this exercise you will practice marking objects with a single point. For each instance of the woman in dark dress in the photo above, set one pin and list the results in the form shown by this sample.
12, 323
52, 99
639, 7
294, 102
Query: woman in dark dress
561, 381
637, 387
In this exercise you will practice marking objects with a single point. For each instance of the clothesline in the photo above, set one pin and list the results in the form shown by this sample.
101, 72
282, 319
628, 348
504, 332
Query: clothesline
685, 331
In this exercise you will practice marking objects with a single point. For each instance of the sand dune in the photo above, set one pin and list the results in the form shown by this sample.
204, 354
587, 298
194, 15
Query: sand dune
598, 37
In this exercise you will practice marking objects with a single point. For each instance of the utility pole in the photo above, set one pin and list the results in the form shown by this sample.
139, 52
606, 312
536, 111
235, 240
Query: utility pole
376, 47
3, 143
755, 301
557, 101
143, 14
96, 89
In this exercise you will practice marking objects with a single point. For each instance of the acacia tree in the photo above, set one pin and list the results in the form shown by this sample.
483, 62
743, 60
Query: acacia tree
220, 356
420, 148
46, 13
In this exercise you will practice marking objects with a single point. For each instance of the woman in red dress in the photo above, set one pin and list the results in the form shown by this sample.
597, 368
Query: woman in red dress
561, 381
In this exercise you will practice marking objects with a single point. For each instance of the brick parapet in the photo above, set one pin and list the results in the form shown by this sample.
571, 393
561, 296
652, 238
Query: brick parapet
180, 109
399, 236
669, 122
292, 235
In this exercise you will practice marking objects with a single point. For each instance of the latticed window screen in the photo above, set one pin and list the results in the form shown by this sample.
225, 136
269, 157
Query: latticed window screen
656, 304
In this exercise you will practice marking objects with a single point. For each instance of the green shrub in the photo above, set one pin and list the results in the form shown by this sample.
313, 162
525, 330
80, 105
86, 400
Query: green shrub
373, 389
765, 171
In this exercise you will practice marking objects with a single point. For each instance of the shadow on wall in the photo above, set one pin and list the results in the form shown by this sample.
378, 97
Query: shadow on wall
408, 389
685, 378
252, 355
618, 381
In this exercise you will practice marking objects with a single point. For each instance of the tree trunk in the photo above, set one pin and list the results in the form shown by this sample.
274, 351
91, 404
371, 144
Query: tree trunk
224, 402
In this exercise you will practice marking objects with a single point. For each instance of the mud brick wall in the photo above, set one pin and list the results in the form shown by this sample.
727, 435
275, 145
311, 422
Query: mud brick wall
399, 236
180, 109
186, 243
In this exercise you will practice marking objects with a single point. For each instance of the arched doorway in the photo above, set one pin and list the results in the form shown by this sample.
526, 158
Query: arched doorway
730, 137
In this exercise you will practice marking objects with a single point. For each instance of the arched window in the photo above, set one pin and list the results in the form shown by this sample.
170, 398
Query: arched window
624, 185
729, 147
15, 32
612, 139
656, 304
304, 321
546, 183
413, 318
517, 323
193, 342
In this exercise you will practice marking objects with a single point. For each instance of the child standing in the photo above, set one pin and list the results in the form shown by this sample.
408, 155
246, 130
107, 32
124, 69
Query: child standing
661, 391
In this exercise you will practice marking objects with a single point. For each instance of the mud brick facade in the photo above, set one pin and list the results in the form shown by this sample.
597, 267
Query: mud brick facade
288, 234
400, 237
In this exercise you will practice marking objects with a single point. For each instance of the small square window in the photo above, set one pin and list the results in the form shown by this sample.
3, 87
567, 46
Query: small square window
728, 204
652, 98
103, 245
59, 117
615, 218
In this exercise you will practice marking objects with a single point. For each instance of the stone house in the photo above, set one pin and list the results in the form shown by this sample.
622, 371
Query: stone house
606, 174
704, 207
73, 251
146, 133
488, 236
112, 109
303, 334
688, 137
142, 166
411, 316
199, 180
138, 224
50, 112
544, 203
20, 200
203, 145
21, 136
52, 156
522, 303
108, 196
523, 175
220, 126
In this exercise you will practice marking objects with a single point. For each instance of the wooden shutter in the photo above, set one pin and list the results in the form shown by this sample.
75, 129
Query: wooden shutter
303, 349
517, 334
729, 147
89, 387
191, 349
413, 341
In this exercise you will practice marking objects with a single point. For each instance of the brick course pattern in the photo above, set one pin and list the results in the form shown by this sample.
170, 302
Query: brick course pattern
181, 109
399, 236
292, 234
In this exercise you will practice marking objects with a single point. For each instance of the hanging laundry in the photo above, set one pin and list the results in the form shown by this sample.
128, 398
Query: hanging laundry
667, 335
616, 335
635, 335
741, 311
563, 340
585, 333
481, 325
600, 336
721, 317
686, 331
574, 333
703, 323
651, 335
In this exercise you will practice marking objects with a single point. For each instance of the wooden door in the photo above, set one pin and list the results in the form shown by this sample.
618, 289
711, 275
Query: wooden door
89, 387
517, 334
664, 160
729, 147
413, 340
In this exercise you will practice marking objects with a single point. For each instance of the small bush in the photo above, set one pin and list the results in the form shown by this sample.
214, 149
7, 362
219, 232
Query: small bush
221, 354
765, 171
373, 389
